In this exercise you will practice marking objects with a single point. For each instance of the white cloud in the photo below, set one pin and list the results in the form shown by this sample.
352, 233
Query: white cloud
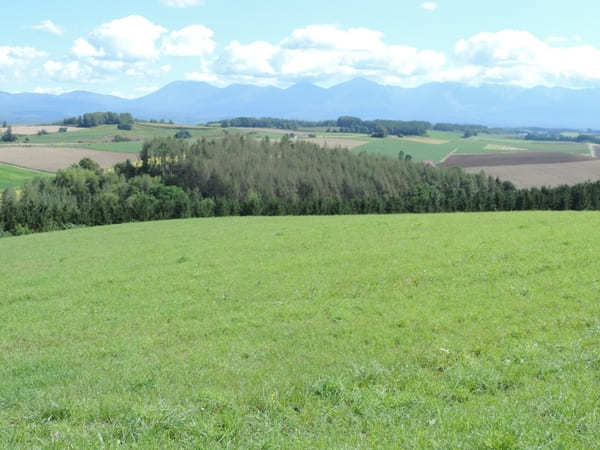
83, 49
68, 71
53, 91
48, 26
429, 6
255, 58
16, 62
195, 40
182, 3
520, 58
326, 54
131, 38
555, 39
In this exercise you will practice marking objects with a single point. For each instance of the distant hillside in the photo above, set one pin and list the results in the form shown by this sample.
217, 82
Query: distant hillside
192, 102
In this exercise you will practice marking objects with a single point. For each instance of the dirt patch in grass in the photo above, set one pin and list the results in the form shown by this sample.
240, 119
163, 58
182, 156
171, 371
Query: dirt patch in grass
30, 130
512, 159
52, 159
537, 175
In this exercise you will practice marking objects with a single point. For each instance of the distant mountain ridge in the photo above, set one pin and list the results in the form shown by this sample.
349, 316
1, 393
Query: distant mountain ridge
193, 102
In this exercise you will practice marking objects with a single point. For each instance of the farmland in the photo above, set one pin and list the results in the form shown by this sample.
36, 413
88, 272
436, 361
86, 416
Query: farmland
52, 158
15, 176
446, 148
274, 332
536, 175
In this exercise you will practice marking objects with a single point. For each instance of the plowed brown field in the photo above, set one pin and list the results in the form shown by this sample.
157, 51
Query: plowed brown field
551, 175
512, 159
52, 159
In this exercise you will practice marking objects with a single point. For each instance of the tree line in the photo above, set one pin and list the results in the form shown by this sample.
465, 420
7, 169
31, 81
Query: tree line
271, 122
581, 138
124, 121
238, 175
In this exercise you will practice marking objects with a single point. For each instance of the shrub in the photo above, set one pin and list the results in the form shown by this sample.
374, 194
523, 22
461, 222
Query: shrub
63, 130
183, 134
119, 138
8, 135
42, 132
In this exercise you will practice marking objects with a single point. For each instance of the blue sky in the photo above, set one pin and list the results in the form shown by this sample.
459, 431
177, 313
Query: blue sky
130, 48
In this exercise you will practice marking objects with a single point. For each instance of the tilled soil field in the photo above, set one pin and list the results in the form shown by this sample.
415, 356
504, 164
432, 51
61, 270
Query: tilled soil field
538, 175
512, 159
52, 159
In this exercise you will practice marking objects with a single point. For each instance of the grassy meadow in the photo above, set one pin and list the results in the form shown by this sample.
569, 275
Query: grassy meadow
430, 331
421, 151
14, 176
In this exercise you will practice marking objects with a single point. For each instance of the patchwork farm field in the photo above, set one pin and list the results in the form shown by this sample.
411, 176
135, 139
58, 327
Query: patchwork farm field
56, 150
15, 176
322, 332
536, 175
52, 158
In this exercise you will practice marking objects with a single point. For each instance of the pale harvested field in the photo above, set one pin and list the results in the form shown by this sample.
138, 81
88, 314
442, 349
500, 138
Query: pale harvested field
425, 140
29, 130
537, 175
52, 159
336, 142
512, 159
504, 148
264, 130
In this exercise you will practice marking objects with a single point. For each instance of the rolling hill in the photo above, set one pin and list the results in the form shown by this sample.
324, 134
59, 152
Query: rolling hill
192, 102
435, 331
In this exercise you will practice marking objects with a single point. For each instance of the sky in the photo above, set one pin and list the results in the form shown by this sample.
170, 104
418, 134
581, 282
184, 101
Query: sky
130, 48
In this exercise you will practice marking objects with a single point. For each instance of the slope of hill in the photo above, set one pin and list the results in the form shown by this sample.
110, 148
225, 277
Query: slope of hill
445, 331
192, 102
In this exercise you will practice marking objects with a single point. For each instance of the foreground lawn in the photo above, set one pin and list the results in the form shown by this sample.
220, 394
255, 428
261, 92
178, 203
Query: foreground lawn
445, 331
14, 176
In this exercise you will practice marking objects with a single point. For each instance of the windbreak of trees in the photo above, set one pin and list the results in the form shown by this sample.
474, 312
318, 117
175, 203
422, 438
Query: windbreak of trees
381, 128
562, 138
241, 176
270, 122
124, 121
345, 124
473, 129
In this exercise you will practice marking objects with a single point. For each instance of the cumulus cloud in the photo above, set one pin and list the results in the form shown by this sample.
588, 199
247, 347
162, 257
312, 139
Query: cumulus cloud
130, 38
48, 26
83, 49
195, 40
16, 61
69, 71
429, 6
327, 54
555, 39
520, 58
182, 3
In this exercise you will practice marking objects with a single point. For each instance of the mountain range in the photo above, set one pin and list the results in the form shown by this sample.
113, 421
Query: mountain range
193, 102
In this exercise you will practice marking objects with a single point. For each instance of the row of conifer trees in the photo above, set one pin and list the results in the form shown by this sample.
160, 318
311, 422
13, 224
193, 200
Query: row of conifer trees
237, 175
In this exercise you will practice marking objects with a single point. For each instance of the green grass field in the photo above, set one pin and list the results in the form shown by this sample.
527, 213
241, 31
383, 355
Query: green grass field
104, 133
15, 176
429, 331
391, 146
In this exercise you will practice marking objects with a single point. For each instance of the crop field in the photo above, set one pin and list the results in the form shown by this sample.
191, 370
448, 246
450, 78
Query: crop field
439, 145
15, 176
29, 130
512, 159
52, 158
551, 175
407, 332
